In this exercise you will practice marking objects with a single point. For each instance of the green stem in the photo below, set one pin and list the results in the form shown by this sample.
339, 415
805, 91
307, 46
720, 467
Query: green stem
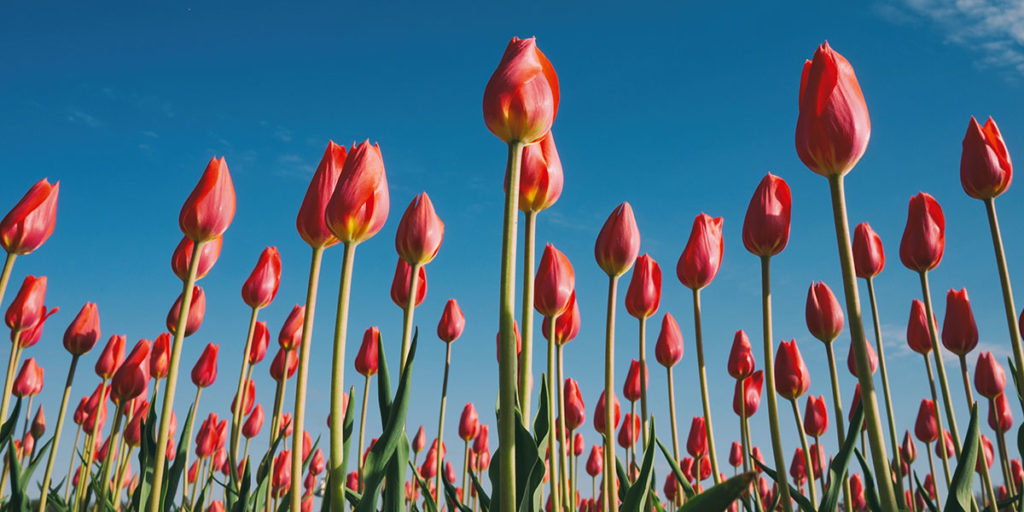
111, 447
236, 411
1004, 459
71, 463
563, 469
12, 368
362, 429
465, 468
894, 443
507, 363
299, 414
45, 493
610, 480
440, 420
938, 419
172, 380
336, 475
879, 457
526, 327
940, 367
1004, 281
672, 418
702, 374
5, 274
408, 312
188, 438
275, 425
837, 402
643, 380
769, 378
809, 468
931, 466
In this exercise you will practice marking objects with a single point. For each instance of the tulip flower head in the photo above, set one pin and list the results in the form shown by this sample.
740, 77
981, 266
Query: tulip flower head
38, 423
618, 243
735, 455
252, 426
521, 98
29, 381
204, 373
311, 222
575, 410
633, 388
766, 224
366, 358
481, 443
985, 167
595, 461
924, 237
868, 253
599, 413
111, 357
27, 309
669, 348
260, 342
702, 256
210, 207
697, 441
989, 378
748, 389
249, 395
791, 375
290, 336
32, 219
83, 333
181, 258
540, 176
644, 293
946, 446
452, 322
1000, 417
824, 314
851, 359
284, 365
469, 423
419, 441
554, 283
400, 284
567, 324
630, 431
360, 202
260, 288
419, 232
132, 377
926, 428
908, 449
160, 356
959, 330
815, 416
918, 336
798, 467
741, 356
196, 312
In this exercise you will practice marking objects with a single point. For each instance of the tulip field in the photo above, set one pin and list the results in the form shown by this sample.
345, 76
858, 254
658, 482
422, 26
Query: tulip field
140, 443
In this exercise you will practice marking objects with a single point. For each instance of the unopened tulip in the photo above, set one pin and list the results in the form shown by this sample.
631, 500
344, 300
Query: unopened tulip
697, 441
133, 431
452, 322
521, 98
577, 444
282, 475
420, 232
833, 127
132, 377
959, 331
400, 284
630, 431
599, 413
38, 423
249, 395
851, 359
735, 455
749, 389
310, 221
985, 167
181, 258
918, 336
823, 313
595, 461
360, 202
80, 412
260, 342
32, 219
83, 333
285, 425
908, 449
34, 333
210, 207
741, 357
633, 388
618, 243
284, 365
1000, 417
575, 411
950, 451
926, 428
29, 381
260, 288
317, 464
204, 373
859, 502
868, 253
818, 459
252, 426
540, 176
766, 224
469, 423
27, 309
554, 283
815, 416
160, 357
924, 238
989, 378
791, 375
644, 293
290, 336
702, 256
798, 467
567, 325
419, 441
196, 312
366, 358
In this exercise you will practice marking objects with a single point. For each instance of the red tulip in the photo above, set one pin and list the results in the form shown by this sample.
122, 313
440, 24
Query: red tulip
210, 207
868, 253
29, 381
697, 442
599, 423
947, 445
815, 416
311, 222
818, 459
111, 357
959, 331
83, 333
452, 322
985, 453
859, 502
989, 378
833, 127
926, 428
181, 258
521, 98
618, 243
924, 238
27, 308
851, 359
1017, 471
160, 357
749, 388
419, 232
741, 357
575, 410
702, 256
252, 426
630, 431
260, 341
317, 464
908, 450
669, 349
352, 480
791, 375
284, 424
133, 431
33, 334
419, 441
735, 455
481, 443
366, 358
1000, 417
284, 360
644, 293
634, 385
798, 467
132, 378
290, 336
31, 221
469, 423
80, 411
824, 314
38, 423
359, 204
567, 325
985, 168
918, 336
766, 225
249, 393
260, 288
196, 312
204, 373
540, 177
554, 283
519, 341
282, 477
96, 409
400, 284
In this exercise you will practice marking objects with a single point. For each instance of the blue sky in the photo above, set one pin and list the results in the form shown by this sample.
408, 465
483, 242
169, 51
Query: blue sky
678, 110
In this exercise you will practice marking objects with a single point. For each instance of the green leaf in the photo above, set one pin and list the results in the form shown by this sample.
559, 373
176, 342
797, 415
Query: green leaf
719, 497
394, 494
383, 383
453, 496
870, 493
838, 469
351, 496
636, 497
147, 452
528, 459
960, 498
482, 497
680, 477
927, 499
428, 499
241, 501
801, 500
178, 466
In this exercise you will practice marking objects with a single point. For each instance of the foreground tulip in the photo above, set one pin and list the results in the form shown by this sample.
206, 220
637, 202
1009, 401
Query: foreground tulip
791, 373
260, 288
824, 314
924, 238
160, 357
181, 258
196, 312
868, 253
452, 322
575, 411
554, 283
26, 310
521, 98
83, 333
30, 222
419, 232
985, 167
815, 416
766, 225
210, 207
204, 373
29, 381
989, 378
959, 331
702, 256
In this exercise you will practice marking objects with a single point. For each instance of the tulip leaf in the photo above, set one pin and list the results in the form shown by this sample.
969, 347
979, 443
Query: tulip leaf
839, 467
960, 498
924, 495
383, 383
7, 430
147, 451
178, 466
394, 494
351, 496
428, 499
452, 495
529, 452
870, 493
801, 500
18, 501
241, 501
636, 496
484, 499
674, 465
719, 497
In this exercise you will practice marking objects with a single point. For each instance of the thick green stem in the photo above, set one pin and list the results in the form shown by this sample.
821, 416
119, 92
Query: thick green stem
236, 411
1004, 281
643, 380
938, 418
837, 402
155, 504
553, 404
12, 369
894, 443
769, 378
610, 480
440, 420
931, 466
526, 324
808, 467
275, 425
1004, 460
702, 374
879, 457
940, 367
336, 475
508, 363
5, 274
45, 493
407, 314
299, 414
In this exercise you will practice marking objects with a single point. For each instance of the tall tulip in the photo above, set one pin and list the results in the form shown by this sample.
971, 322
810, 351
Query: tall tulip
793, 379
642, 300
469, 426
417, 241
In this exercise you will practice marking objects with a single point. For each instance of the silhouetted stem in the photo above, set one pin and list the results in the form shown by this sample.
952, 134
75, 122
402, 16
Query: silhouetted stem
188, 438
940, 367
672, 417
236, 409
71, 463
985, 477
362, 429
563, 468
809, 469
440, 419
643, 380
938, 420
837, 403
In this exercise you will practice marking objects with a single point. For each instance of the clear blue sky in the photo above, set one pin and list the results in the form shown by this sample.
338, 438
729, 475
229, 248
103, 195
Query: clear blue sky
676, 110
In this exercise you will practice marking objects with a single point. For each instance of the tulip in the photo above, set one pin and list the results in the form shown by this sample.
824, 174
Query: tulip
132, 377
419, 441
400, 285
918, 336
204, 373
857, 491
282, 478
735, 455
985, 167
669, 349
989, 378
254, 424
618, 242
575, 411
630, 432
210, 207
798, 468
284, 365
34, 333
249, 398
290, 336
554, 284
31, 221
452, 322
260, 341
959, 331
181, 258
160, 357
741, 358
634, 386
823, 312
987, 455
697, 442
260, 288
600, 416
84, 331
926, 427
868, 253
419, 232
521, 98
366, 358
946, 448
747, 396
792, 378
644, 293
27, 308
924, 238
702, 256
851, 359
540, 180
29, 381
196, 312
38, 423
908, 450
469, 423
567, 324
815, 416
310, 222
766, 225
1000, 417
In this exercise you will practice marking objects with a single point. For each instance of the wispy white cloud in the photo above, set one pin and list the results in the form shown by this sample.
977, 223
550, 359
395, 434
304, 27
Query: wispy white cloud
76, 115
992, 28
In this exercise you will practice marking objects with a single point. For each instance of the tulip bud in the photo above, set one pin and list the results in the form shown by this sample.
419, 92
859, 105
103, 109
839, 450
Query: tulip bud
697, 442
908, 450
181, 258
260, 288
400, 284
669, 348
868, 253
34, 333
735, 455
824, 314
482, 443
798, 467
918, 335
420, 232
959, 331
575, 411
132, 378
985, 168
599, 413
833, 127
469, 423
540, 176
1000, 417
260, 341
924, 238
766, 225
32, 219
554, 283
521, 98
452, 322
741, 356
946, 446
38, 423
859, 502
989, 378
359, 204
644, 293
29, 381
27, 308
317, 464
851, 359
366, 358
249, 395
595, 461
285, 425
419, 441
818, 459
204, 373
282, 476
81, 412
196, 312
618, 243
926, 428
84, 331
567, 324
702, 256
210, 207
310, 222
285, 360
815, 416
577, 444
160, 357
749, 390
290, 336
254, 424
111, 357
630, 431
791, 375
633, 388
